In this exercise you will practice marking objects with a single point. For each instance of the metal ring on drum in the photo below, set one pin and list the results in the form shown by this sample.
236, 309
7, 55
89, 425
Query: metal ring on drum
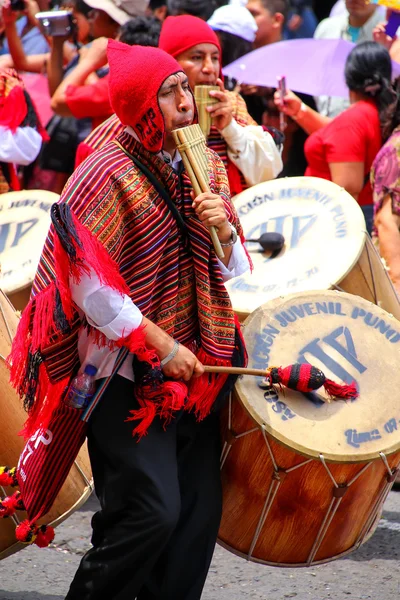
304, 480
326, 245
78, 486
24, 223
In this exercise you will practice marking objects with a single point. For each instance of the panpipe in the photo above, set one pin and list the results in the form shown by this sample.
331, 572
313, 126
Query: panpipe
203, 99
191, 144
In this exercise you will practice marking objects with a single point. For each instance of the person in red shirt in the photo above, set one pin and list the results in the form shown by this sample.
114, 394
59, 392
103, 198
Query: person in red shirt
342, 150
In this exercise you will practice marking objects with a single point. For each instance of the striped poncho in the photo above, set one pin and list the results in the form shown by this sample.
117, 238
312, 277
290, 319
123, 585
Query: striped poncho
112, 220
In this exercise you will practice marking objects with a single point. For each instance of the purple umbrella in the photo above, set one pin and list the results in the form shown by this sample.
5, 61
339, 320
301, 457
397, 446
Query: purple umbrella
311, 66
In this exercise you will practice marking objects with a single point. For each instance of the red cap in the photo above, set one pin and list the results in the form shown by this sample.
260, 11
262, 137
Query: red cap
136, 76
178, 34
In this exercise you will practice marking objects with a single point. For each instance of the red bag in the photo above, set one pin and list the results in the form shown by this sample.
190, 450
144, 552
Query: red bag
44, 465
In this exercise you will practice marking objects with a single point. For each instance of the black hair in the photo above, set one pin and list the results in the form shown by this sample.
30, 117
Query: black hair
368, 72
83, 8
141, 31
197, 8
391, 118
154, 4
277, 6
233, 46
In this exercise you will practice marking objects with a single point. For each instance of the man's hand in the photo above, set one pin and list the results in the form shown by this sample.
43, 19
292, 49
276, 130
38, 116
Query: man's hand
221, 112
9, 16
211, 211
183, 366
381, 37
291, 106
96, 55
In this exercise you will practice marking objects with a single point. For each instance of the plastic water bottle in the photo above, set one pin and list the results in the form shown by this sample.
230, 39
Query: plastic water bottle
81, 388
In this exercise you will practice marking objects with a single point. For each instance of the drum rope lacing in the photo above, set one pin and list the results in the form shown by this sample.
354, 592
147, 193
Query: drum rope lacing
279, 475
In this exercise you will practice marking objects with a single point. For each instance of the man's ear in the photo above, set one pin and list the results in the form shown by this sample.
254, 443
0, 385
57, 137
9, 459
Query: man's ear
279, 20
161, 12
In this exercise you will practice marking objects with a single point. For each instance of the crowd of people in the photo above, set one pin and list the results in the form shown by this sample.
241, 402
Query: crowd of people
129, 245
78, 82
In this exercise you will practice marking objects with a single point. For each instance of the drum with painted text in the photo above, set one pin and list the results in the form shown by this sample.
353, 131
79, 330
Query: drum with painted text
326, 245
304, 479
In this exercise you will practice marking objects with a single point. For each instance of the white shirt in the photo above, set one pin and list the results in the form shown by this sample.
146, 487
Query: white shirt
335, 28
253, 151
115, 315
21, 146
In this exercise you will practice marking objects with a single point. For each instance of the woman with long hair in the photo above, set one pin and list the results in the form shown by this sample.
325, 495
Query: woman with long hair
385, 179
343, 149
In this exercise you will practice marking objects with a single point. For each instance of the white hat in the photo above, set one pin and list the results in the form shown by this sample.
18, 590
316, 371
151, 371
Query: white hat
121, 11
236, 20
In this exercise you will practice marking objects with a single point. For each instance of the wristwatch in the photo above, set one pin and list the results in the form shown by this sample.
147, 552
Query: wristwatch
234, 237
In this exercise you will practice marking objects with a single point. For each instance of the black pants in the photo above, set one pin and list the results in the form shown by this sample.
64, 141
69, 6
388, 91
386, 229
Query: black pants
154, 537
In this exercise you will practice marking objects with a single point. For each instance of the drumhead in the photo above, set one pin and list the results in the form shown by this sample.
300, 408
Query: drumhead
349, 339
324, 230
24, 223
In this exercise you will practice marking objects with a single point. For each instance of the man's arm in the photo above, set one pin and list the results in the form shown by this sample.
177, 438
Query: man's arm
115, 315
91, 59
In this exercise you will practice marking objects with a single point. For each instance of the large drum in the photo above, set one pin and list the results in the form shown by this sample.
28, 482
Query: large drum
24, 223
77, 487
326, 245
304, 480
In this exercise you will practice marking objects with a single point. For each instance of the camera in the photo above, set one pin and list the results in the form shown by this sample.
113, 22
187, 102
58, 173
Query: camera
17, 5
56, 23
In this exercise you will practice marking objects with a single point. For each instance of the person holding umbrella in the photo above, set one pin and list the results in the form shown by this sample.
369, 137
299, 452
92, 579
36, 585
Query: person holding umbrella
343, 149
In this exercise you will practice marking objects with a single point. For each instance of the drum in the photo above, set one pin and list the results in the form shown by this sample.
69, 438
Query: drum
326, 245
304, 480
77, 487
24, 223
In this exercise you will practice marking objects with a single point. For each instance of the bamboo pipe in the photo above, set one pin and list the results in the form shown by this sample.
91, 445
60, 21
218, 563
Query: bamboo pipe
198, 181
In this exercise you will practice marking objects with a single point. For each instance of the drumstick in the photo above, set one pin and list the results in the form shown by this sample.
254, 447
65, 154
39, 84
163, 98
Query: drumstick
299, 377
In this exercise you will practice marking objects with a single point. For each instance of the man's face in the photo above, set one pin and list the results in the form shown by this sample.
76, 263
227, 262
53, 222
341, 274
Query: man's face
201, 64
176, 103
360, 8
266, 22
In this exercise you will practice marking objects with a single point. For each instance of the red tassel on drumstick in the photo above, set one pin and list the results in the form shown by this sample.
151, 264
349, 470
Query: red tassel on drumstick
299, 377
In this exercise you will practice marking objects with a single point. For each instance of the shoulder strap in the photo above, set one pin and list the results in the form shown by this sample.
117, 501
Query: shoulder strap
160, 189
122, 354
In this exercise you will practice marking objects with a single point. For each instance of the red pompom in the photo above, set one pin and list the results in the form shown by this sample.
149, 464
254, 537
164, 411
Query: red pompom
9, 505
8, 476
26, 532
45, 535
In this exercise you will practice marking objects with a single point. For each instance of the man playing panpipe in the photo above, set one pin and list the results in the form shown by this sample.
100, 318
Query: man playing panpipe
121, 268
248, 152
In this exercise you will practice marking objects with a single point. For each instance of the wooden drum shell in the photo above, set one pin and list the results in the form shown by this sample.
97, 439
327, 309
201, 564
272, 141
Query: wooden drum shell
78, 485
302, 501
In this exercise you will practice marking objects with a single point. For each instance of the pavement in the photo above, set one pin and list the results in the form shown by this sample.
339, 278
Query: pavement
372, 572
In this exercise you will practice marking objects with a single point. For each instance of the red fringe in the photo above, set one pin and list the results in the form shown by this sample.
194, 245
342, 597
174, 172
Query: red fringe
18, 357
44, 325
94, 254
146, 416
45, 405
336, 390
204, 390
8, 477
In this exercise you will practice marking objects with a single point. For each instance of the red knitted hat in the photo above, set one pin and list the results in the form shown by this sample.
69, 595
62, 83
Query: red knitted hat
178, 34
136, 76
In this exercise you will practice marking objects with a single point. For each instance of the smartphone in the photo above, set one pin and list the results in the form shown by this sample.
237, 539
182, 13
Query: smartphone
56, 23
282, 93
17, 5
